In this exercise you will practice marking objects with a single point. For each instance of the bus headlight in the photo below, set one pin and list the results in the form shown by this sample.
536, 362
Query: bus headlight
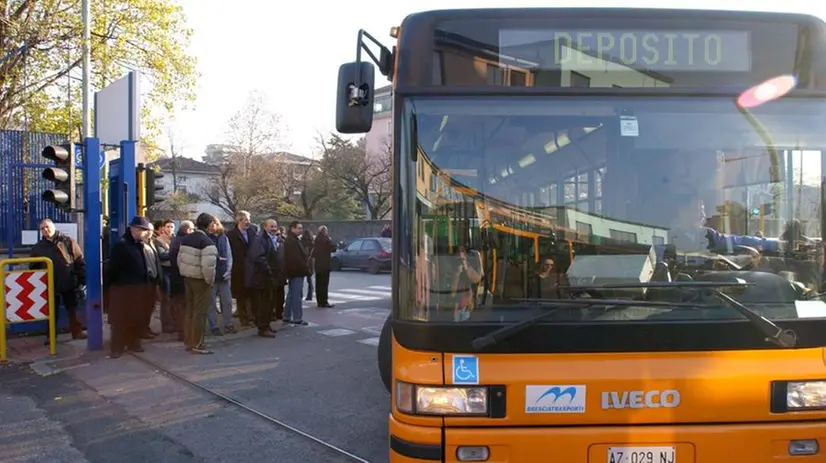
441, 400
805, 395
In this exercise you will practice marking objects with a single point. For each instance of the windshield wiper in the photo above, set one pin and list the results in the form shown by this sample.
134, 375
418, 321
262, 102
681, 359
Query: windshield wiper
775, 334
556, 305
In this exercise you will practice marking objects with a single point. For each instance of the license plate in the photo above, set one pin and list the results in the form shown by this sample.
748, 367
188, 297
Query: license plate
642, 455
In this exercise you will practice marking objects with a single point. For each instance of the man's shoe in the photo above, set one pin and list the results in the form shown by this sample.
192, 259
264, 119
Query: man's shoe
202, 350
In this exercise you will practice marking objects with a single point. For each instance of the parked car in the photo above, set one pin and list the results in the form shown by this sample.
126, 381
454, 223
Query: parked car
373, 254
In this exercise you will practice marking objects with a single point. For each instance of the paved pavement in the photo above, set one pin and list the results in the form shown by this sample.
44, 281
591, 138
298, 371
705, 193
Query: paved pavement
321, 380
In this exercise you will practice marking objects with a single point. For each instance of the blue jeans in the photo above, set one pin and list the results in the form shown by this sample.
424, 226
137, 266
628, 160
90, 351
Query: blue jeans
220, 290
293, 310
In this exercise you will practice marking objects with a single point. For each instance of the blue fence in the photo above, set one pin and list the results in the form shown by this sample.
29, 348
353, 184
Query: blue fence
21, 185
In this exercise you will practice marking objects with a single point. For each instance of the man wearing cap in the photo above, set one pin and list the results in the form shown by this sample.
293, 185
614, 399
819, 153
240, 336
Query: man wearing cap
129, 290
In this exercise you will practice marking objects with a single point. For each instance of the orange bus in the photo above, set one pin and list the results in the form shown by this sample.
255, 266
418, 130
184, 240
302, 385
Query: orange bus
650, 136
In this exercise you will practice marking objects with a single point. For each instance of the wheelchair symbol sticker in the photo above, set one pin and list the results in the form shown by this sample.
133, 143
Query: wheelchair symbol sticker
465, 369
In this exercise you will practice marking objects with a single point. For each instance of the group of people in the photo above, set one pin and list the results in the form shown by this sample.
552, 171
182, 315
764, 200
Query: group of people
188, 272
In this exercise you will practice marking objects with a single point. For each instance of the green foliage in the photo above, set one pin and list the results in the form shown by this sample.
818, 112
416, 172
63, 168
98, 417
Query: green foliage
364, 177
41, 90
341, 205
176, 206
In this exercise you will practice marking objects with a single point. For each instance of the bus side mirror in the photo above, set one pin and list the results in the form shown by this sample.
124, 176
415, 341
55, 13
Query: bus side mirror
354, 97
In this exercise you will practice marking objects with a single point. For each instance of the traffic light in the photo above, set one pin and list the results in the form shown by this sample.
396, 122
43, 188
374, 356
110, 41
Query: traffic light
62, 174
154, 191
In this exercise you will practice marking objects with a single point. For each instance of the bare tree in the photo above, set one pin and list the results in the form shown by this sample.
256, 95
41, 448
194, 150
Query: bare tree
248, 170
254, 131
313, 187
174, 154
366, 175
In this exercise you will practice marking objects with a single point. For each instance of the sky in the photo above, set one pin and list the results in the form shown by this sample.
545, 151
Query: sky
292, 51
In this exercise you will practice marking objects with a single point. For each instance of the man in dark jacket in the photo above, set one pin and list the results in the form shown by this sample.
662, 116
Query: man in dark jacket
240, 239
176, 281
69, 271
263, 272
296, 269
153, 268
129, 289
322, 256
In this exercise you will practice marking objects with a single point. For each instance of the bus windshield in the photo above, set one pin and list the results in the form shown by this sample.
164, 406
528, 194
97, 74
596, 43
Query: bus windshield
522, 199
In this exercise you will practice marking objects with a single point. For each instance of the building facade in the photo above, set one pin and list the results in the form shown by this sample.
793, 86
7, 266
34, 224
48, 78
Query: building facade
381, 134
194, 179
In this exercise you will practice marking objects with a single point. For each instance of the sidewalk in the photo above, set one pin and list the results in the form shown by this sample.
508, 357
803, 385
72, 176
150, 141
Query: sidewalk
299, 378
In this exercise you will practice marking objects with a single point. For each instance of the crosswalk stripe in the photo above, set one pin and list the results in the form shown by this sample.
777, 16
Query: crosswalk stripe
313, 303
353, 296
367, 291
370, 341
372, 329
336, 332
385, 288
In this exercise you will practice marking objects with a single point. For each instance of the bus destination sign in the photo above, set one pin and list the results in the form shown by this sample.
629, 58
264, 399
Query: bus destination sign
673, 50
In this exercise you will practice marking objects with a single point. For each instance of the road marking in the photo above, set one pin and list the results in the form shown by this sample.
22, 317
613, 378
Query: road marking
354, 297
370, 341
336, 332
331, 301
385, 294
385, 288
372, 329
363, 313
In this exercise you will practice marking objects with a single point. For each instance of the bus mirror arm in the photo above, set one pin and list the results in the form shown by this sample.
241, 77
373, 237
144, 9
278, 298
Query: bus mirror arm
385, 60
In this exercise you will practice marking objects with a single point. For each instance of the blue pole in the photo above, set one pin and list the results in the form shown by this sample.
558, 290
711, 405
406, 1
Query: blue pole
91, 244
116, 224
10, 207
128, 179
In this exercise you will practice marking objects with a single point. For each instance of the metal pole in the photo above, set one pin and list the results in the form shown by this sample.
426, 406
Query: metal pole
91, 247
140, 188
87, 69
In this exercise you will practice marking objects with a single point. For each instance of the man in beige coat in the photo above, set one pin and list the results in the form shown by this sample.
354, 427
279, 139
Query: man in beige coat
197, 262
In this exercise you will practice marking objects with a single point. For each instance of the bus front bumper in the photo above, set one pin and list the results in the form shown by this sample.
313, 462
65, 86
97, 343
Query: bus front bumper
721, 443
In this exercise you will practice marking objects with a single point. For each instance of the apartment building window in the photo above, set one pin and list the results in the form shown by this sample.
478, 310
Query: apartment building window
657, 240
584, 228
580, 80
382, 103
625, 236
599, 175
